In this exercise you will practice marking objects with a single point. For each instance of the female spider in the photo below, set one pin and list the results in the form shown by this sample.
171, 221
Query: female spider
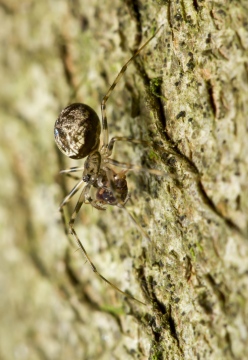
77, 135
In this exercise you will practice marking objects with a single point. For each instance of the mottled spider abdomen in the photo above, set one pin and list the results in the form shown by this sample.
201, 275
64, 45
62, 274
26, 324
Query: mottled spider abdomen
77, 131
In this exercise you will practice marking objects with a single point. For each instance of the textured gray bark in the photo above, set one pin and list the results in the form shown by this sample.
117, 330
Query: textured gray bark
188, 93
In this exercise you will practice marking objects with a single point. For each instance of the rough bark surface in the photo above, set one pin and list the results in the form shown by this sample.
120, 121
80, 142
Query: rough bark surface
188, 94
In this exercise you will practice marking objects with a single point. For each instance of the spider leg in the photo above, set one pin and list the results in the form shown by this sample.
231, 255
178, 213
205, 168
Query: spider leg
65, 201
118, 77
96, 204
62, 214
72, 169
136, 224
73, 232
83, 196
80, 202
137, 168
70, 195
124, 138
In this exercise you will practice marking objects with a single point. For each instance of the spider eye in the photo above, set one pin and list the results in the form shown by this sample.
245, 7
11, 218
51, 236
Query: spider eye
77, 131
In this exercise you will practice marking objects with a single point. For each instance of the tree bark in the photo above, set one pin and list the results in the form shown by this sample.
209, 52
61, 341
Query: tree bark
187, 95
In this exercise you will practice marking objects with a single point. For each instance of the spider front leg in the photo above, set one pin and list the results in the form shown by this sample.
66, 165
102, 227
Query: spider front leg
118, 77
127, 139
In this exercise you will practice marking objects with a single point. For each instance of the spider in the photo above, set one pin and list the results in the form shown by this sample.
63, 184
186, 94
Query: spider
77, 134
